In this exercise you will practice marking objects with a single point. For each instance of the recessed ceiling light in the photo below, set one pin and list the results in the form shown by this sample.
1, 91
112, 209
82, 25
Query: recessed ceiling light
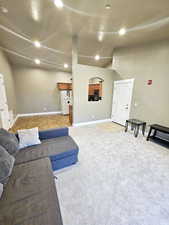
3, 9
37, 44
59, 4
66, 65
100, 36
97, 57
37, 61
108, 6
122, 31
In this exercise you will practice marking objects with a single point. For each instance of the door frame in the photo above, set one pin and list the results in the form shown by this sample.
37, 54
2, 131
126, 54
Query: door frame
125, 81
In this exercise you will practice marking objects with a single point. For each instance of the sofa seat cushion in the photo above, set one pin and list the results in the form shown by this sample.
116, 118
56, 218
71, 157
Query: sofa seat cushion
62, 162
62, 146
30, 197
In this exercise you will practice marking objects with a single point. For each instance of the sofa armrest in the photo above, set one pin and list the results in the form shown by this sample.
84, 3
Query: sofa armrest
53, 133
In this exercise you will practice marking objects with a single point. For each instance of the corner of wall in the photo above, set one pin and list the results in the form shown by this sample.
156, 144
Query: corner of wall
6, 70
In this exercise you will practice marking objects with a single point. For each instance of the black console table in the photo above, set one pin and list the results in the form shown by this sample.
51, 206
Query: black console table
155, 128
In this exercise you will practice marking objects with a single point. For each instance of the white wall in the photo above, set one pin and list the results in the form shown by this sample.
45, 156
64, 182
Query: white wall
146, 62
83, 110
36, 89
5, 69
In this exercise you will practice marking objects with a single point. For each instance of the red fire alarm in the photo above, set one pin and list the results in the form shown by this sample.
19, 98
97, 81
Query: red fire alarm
149, 82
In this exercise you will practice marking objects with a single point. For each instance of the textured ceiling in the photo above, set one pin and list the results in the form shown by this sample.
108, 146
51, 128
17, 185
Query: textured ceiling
30, 20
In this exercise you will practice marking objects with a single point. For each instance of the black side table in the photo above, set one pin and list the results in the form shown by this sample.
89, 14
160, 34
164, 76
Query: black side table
135, 125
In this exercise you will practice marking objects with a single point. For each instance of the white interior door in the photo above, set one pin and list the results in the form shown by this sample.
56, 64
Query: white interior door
122, 97
4, 112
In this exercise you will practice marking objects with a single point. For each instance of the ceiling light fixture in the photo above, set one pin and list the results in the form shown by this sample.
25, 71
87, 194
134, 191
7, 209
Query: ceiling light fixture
59, 4
100, 36
3, 9
35, 15
37, 61
66, 65
97, 57
37, 44
108, 6
122, 31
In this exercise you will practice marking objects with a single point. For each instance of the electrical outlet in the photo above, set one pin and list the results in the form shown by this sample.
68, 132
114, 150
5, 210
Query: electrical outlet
93, 117
44, 109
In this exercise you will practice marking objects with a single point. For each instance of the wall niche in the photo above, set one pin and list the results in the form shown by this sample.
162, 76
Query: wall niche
95, 89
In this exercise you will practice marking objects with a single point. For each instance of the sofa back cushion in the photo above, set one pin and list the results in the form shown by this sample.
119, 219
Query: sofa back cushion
6, 165
9, 141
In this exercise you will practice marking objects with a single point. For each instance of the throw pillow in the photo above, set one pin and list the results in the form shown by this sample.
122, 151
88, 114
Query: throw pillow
1, 189
9, 141
6, 165
28, 137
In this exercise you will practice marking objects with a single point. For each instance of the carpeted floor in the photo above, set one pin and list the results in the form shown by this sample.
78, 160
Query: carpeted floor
119, 180
42, 122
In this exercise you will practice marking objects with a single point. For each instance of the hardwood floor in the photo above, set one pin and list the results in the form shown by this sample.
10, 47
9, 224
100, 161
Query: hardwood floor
42, 122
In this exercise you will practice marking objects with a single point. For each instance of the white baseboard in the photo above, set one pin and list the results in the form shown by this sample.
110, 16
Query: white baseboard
91, 122
38, 114
33, 114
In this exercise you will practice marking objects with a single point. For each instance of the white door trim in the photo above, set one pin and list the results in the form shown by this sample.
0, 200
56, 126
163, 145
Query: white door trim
125, 81
131, 81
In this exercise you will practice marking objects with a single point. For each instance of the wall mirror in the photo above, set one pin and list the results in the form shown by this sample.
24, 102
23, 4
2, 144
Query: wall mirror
95, 89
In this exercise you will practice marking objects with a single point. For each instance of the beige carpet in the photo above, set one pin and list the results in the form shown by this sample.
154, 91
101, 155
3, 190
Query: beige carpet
109, 126
119, 180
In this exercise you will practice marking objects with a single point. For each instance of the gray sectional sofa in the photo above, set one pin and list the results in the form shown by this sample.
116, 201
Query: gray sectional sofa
30, 196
